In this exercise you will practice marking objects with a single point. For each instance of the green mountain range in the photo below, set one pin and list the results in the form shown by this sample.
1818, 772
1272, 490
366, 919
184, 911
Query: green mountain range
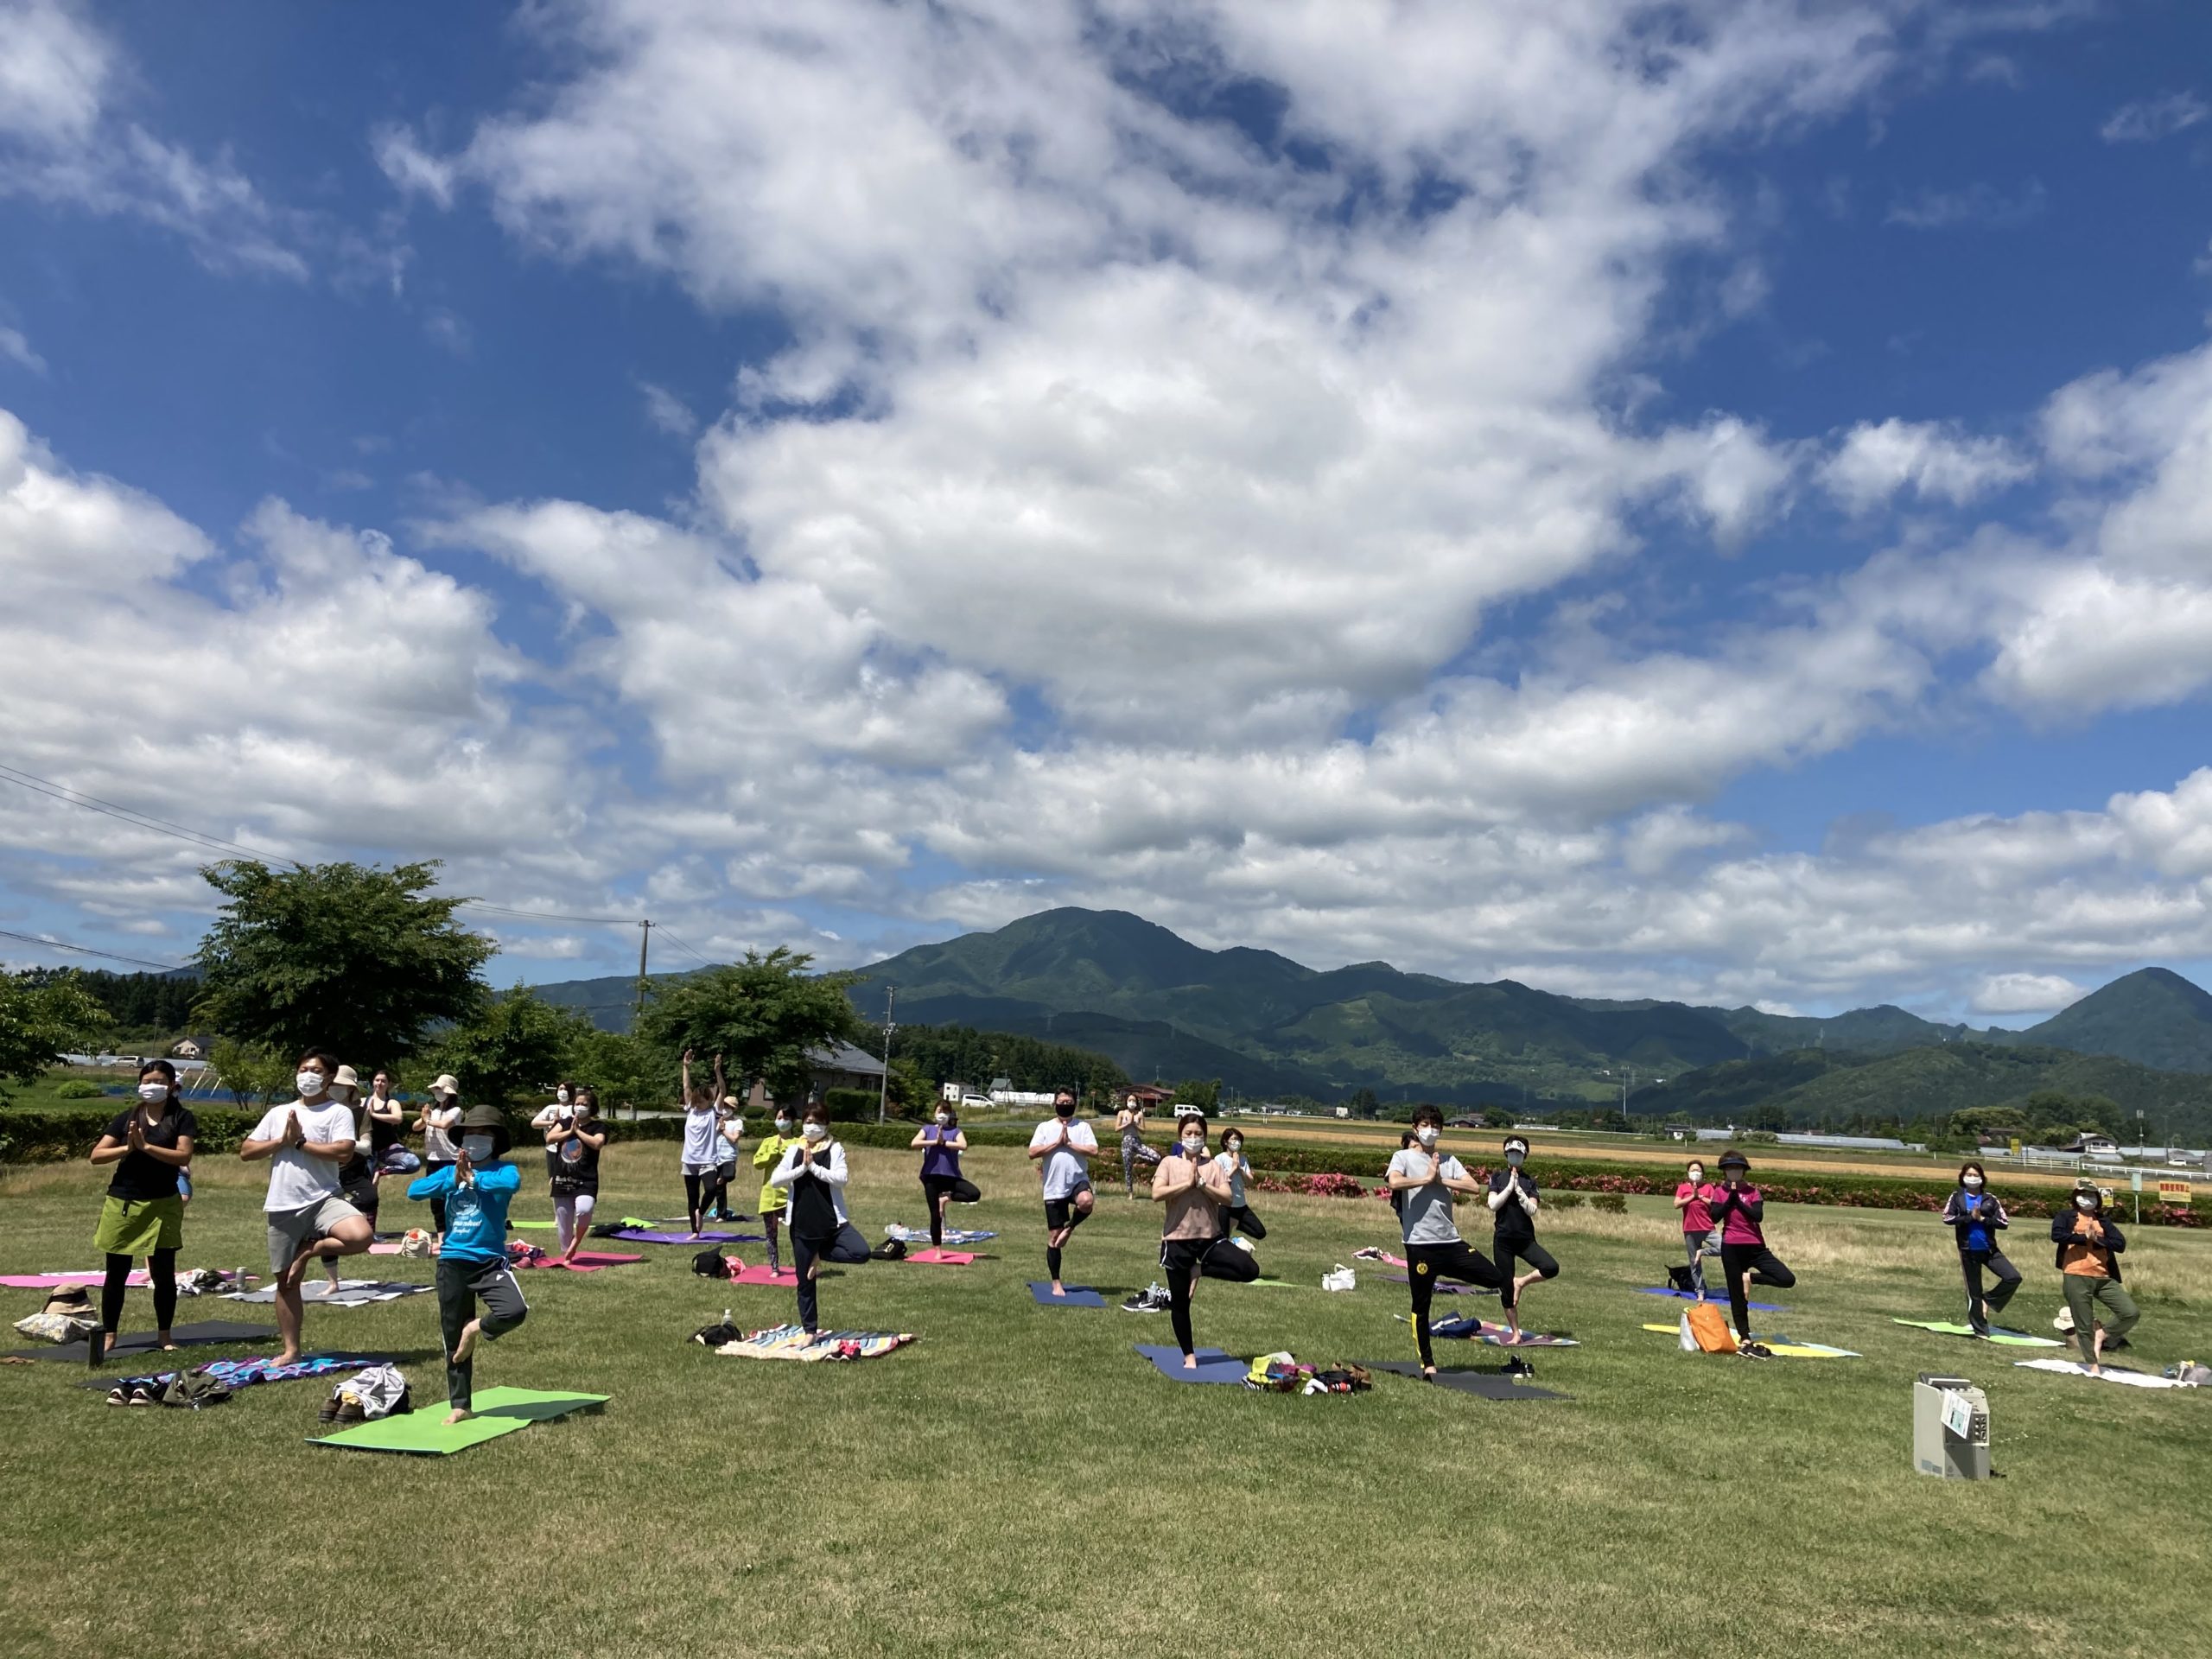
1162, 1007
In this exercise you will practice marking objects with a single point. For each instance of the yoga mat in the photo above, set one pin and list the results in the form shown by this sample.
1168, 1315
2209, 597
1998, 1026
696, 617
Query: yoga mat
1719, 1301
62, 1281
1214, 1366
639, 1236
1490, 1332
942, 1258
389, 1249
143, 1342
235, 1374
1998, 1333
355, 1293
2110, 1374
1446, 1287
1781, 1345
424, 1432
533, 1226
1078, 1296
906, 1234
586, 1262
787, 1277
792, 1342
1489, 1385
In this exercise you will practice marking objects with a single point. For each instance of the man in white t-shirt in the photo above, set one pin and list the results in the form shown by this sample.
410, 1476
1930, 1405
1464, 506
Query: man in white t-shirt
1065, 1149
307, 1143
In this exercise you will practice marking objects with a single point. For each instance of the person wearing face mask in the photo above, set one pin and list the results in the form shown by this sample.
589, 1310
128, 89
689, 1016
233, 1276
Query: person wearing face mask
1063, 1149
702, 1135
2089, 1246
1195, 1191
1976, 1215
766, 1156
144, 1212
1513, 1204
559, 1110
1422, 1180
356, 1181
729, 1132
1694, 1199
574, 1141
1238, 1216
941, 1144
387, 1128
440, 1118
477, 1187
1740, 1208
1129, 1123
307, 1143
813, 1171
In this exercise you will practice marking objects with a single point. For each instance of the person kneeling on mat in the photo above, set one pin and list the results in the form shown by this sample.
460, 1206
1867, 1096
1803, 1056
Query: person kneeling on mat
1233, 1164
1065, 1148
1975, 1215
477, 1186
1421, 1181
941, 1144
1513, 1231
2089, 1245
1741, 1210
814, 1173
1192, 1241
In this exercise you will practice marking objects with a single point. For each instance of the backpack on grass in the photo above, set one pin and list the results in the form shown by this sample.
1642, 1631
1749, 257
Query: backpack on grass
710, 1264
1705, 1331
892, 1249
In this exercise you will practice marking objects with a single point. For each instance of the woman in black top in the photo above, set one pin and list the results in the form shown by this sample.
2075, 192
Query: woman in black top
573, 1142
1513, 1204
143, 1213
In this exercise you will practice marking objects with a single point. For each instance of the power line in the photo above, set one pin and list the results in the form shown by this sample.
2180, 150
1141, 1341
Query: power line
547, 915
130, 816
86, 950
673, 939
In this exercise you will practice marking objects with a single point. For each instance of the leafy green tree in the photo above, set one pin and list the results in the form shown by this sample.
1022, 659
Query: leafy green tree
1364, 1103
359, 960
515, 1046
1497, 1117
762, 1014
622, 1069
42, 1017
1205, 1093
255, 1073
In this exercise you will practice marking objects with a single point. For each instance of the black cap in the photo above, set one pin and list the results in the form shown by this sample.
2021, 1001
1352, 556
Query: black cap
1737, 1159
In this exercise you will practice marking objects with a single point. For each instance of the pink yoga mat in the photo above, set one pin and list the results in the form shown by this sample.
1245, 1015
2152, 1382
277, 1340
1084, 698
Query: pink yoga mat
586, 1262
943, 1258
787, 1277
56, 1281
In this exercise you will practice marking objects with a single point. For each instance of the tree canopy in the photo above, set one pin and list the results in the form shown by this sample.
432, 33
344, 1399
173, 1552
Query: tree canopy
762, 1014
358, 960
513, 1046
43, 1016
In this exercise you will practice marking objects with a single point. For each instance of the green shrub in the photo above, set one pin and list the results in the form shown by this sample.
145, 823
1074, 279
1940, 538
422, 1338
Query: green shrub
78, 1089
1611, 1203
851, 1105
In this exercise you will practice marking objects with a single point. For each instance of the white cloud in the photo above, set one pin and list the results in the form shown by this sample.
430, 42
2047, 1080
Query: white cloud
1978, 204
667, 412
1876, 461
17, 350
2026, 994
2148, 119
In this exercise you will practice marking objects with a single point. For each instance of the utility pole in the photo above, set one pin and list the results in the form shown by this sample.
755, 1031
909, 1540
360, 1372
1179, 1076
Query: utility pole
645, 938
883, 1093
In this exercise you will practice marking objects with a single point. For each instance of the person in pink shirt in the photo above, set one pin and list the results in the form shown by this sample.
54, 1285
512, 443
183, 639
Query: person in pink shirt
1694, 1199
1741, 1209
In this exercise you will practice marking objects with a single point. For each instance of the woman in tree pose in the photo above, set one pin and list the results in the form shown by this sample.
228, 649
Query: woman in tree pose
574, 1141
813, 1171
1194, 1189
1063, 1149
1422, 1181
941, 1144
773, 1200
1741, 1210
144, 1211
1234, 1165
1976, 1215
1128, 1123
440, 1118
1513, 1224
1694, 1199
2089, 1246
702, 1133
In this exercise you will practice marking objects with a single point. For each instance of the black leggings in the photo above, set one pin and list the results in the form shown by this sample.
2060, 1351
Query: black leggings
1058, 1213
438, 1203
161, 1267
1981, 1307
1241, 1219
1426, 1263
1765, 1269
1529, 1251
1183, 1260
845, 1246
937, 1186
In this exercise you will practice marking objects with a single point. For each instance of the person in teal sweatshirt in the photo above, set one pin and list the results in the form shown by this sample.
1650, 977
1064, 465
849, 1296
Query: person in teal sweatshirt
472, 1262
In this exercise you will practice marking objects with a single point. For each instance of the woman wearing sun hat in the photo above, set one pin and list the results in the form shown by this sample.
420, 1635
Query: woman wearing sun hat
440, 1117
1741, 1210
357, 1180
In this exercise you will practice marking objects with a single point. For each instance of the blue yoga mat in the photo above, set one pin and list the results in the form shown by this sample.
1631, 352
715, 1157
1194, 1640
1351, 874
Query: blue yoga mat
1214, 1366
1078, 1296
1720, 1299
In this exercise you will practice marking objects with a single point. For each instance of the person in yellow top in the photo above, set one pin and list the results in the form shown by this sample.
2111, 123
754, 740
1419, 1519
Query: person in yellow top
2089, 1244
766, 1156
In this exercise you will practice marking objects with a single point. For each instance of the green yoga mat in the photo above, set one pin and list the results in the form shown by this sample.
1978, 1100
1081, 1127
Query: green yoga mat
1997, 1333
533, 1226
425, 1433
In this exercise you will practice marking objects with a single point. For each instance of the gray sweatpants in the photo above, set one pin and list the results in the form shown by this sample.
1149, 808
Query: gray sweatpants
462, 1284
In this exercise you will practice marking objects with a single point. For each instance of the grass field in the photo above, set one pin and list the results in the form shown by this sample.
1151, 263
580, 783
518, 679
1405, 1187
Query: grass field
1021, 1482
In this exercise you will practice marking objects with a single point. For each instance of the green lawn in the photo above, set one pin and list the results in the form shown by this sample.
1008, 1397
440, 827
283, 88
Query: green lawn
1021, 1482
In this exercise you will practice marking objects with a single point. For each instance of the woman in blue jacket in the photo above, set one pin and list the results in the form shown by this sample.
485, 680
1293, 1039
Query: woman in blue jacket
472, 1261
1976, 1215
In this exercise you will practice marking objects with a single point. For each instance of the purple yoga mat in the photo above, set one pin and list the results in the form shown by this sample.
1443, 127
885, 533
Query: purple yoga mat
635, 1235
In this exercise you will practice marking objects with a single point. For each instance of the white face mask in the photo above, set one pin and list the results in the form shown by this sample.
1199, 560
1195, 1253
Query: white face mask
1696, 1175
1974, 1183
562, 1096
478, 1147
308, 1083
783, 1126
150, 1092
1234, 1148
943, 1118
1194, 1143
1425, 1136
815, 1131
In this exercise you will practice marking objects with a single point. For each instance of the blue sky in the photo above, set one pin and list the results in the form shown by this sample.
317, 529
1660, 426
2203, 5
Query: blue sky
1708, 502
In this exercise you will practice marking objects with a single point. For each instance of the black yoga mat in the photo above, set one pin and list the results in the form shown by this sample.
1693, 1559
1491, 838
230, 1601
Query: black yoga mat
131, 1343
1488, 1384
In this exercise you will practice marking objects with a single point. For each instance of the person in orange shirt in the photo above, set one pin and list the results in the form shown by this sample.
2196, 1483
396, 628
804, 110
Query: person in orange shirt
2089, 1246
